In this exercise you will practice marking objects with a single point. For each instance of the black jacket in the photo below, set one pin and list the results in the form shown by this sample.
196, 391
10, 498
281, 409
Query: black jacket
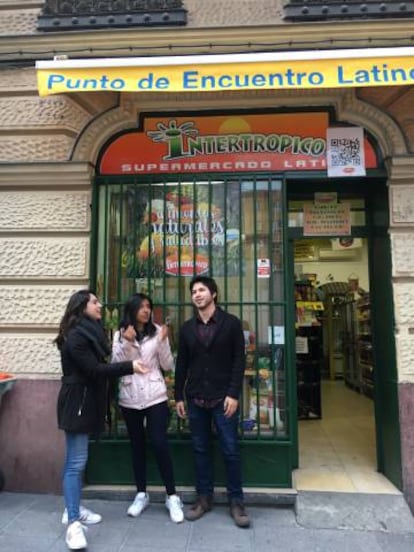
82, 397
214, 371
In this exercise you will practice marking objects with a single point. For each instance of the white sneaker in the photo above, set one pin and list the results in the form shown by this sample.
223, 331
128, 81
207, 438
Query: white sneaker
175, 506
87, 517
75, 536
141, 501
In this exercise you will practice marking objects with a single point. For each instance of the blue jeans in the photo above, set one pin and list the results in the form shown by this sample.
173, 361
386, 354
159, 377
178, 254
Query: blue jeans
75, 462
200, 420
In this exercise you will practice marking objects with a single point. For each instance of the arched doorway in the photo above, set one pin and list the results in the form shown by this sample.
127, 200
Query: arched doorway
287, 463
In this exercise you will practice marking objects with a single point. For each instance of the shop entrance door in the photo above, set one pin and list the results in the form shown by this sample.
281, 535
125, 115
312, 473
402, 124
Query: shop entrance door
386, 395
373, 343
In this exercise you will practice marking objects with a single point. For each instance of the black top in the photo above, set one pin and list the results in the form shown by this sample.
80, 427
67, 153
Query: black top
212, 369
82, 397
206, 329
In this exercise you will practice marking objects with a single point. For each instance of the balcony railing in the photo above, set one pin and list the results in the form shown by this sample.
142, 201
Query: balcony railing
64, 15
320, 10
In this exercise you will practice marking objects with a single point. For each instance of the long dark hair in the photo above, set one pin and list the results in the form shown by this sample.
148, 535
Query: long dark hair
74, 312
129, 316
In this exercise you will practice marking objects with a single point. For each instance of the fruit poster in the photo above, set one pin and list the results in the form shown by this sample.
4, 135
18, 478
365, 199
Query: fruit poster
183, 230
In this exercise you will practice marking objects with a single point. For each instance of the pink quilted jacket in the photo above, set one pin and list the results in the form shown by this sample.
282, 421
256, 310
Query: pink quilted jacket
143, 390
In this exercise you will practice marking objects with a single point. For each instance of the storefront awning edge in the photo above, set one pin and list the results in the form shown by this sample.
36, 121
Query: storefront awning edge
202, 73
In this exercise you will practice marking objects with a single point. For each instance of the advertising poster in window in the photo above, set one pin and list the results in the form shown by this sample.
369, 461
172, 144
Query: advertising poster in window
321, 219
184, 231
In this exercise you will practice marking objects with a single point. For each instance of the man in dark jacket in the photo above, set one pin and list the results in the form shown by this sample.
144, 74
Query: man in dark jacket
210, 368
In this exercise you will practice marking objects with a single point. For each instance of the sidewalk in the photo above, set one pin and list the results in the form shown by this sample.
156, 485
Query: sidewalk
320, 522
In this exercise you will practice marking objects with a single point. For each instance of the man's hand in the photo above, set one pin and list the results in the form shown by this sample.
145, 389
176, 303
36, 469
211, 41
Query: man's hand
180, 409
230, 406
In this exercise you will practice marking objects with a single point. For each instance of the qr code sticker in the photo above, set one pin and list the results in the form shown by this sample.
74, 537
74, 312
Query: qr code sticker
345, 151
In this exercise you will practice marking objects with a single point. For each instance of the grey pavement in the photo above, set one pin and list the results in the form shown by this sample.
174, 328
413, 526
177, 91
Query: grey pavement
319, 522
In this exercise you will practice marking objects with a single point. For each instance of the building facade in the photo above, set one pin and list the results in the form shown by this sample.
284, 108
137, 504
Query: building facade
80, 174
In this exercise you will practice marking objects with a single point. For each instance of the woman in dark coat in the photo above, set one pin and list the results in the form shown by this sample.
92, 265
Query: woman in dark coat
81, 403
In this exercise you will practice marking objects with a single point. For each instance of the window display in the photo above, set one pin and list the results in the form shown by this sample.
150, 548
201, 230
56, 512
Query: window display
154, 236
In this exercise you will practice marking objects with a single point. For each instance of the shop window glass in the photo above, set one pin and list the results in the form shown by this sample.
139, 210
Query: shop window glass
154, 236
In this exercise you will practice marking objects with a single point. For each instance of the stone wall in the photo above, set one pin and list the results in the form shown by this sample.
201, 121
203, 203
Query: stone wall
32, 447
45, 222
44, 257
47, 147
401, 182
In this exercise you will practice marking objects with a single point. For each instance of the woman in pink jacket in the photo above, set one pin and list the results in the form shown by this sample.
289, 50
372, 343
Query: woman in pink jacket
144, 397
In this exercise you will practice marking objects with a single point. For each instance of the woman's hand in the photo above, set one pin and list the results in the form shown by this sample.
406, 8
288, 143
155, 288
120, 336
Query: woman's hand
163, 332
139, 367
128, 333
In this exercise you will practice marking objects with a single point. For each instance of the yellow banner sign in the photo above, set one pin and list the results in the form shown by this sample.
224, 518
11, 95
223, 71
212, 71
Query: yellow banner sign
311, 70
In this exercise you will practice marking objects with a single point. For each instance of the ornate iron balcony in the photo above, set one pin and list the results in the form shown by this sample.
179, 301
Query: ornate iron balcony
320, 10
64, 15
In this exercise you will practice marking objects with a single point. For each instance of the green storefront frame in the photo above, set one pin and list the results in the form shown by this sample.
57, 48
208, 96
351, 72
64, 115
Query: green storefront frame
373, 191
269, 462
269, 456
265, 464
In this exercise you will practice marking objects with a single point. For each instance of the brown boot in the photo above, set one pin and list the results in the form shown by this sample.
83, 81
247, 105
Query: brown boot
202, 505
239, 514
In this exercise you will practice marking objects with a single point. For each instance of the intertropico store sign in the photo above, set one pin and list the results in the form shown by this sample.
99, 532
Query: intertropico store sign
223, 143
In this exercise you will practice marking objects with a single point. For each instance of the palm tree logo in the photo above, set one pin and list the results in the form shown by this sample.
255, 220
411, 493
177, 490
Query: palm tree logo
174, 135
